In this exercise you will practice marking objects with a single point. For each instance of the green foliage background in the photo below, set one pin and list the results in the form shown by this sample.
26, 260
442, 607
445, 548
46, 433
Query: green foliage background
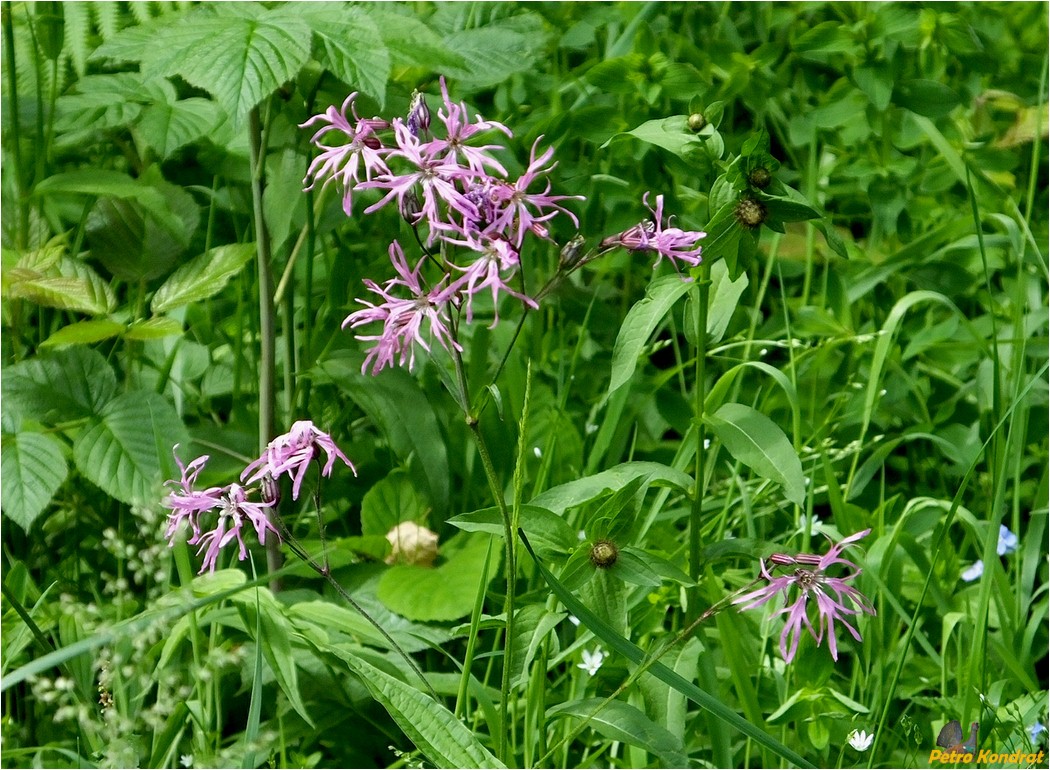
895, 348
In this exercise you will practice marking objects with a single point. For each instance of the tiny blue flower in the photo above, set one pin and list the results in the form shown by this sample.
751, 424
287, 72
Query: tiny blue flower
1036, 730
973, 572
1007, 541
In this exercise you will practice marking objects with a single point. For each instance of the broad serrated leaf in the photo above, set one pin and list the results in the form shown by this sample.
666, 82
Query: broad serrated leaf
61, 386
119, 450
64, 292
167, 127
621, 721
83, 333
760, 444
352, 47
202, 277
434, 730
154, 329
641, 321
496, 51
113, 184
411, 41
238, 52
32, 468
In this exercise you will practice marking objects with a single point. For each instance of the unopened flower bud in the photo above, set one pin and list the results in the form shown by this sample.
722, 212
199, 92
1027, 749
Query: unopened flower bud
782, 559
572, 252
604, 554
412, 544
271, 490
760, 178
410, 207
418, 114
696, 122
750, 213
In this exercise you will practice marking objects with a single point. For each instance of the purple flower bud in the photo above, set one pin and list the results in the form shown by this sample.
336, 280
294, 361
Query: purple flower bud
418, 115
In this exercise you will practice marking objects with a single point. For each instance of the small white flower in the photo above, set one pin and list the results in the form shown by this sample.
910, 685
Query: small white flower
186, 760
861, 740
882, 392
581, 535
1007, 541
536, 451
592, 661
763, 351
574, 620
973, 572
707, 443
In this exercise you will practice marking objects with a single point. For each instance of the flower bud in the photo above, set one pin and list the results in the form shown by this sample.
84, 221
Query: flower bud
271, 490
604, 554
760, 177
696, 122
418, 115
750, 213
410, 207
571, 252
412, 544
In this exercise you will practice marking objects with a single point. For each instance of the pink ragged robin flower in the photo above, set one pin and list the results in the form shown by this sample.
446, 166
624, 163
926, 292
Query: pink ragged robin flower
675, 244
360, 146
496, 256
435, 177
458, 130
520, 210
230, 503
292, 453
835, 598
404, 320
234, 508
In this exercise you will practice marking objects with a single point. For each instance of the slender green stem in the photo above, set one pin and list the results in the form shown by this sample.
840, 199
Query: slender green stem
267, 334
509, 550
699, 396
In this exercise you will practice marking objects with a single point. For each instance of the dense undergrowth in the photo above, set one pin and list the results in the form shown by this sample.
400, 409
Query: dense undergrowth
544, 542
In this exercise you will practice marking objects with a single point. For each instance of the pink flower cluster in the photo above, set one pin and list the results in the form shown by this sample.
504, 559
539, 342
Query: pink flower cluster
289, 453
458, 191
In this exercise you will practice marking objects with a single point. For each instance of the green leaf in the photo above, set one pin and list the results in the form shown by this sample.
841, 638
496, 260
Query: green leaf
559, 499
119, 451
154, 329
389, 502
926, 97
395, 402
641, 321
113, 184
725, 296
240, 53
352, 47
66, 293
412, 637
532, 623
439, 593
757, 442
617, 643
547, 529
83, 333
32, 468
434, 730
495, 52
621, 721
412, 42
167, 127
202, 277
61, 386
672, 134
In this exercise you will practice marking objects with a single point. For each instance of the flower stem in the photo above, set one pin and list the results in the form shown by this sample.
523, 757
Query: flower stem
699, 396
509, 549
267, 336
